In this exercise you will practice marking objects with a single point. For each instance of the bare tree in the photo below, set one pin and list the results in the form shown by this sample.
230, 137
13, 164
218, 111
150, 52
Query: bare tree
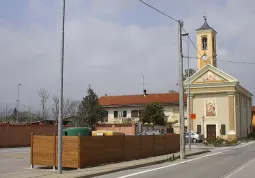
55, 106
70, 107
44, 95
7, 115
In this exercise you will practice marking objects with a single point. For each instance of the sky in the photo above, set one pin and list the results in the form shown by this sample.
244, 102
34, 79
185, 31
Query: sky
112, 44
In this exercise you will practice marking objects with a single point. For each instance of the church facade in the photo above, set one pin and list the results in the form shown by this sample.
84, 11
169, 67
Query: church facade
222, 106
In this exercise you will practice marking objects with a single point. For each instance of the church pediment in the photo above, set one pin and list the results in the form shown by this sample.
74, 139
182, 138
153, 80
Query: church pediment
210, 74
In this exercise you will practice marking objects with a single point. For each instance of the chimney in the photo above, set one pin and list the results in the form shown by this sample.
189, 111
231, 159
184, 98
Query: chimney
144, 93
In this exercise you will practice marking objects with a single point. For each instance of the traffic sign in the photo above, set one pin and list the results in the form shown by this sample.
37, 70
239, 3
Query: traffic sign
192, 116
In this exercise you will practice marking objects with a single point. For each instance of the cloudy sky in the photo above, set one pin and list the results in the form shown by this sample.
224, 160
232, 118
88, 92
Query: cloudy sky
110, 44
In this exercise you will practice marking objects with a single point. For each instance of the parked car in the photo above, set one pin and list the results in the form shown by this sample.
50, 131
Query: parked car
150, 132
195, 137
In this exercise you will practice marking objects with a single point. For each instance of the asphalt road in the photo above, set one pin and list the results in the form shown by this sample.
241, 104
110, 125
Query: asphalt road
225, 163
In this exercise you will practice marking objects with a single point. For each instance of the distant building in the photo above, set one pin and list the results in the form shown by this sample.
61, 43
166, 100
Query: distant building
126, 108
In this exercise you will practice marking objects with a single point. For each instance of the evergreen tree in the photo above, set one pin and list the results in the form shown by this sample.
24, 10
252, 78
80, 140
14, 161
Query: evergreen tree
153, 113
186, 74
89, 111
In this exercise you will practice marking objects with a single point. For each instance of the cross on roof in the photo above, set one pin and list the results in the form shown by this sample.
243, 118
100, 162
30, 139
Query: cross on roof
205, 16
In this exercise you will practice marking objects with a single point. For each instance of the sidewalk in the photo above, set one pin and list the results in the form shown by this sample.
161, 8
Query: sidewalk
100, 170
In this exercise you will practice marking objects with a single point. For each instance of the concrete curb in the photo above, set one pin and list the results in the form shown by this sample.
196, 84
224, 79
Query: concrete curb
140, 165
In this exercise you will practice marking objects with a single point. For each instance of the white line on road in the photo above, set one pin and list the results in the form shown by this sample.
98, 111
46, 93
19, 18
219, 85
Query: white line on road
240, 168
186, 161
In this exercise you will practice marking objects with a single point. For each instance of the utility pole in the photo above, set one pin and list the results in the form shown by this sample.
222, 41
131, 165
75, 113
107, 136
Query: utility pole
188, 100
18, 104
6, 114
60, 115
181, 93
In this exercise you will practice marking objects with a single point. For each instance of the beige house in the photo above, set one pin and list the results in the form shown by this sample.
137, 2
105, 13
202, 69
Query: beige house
222, 106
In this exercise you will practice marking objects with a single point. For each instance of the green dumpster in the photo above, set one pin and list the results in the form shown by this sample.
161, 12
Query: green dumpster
75, 131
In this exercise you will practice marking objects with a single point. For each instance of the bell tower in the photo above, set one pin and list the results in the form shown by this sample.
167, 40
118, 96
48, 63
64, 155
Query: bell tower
206, 45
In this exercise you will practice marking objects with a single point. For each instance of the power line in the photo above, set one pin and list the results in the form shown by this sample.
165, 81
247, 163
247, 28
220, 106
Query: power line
236, 62
192, 42
174, 20
158, 10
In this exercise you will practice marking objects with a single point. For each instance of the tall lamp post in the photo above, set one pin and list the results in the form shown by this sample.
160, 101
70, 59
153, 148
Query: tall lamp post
203, 119
18, 103
60, 115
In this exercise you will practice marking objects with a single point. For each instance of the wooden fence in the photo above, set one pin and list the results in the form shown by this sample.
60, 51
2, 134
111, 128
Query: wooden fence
82, 151
19, 135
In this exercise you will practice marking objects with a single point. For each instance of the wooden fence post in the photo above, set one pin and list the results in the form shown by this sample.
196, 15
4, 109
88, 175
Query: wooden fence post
165, 140
79, 151
103, 140
54, 152
140, 155
153, 141
32, 150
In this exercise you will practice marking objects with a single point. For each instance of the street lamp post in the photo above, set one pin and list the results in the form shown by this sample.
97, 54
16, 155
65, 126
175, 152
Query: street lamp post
60, 115
18, 103
203, 119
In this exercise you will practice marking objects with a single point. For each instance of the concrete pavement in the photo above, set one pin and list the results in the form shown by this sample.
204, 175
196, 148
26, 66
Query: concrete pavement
13, 160
224, 163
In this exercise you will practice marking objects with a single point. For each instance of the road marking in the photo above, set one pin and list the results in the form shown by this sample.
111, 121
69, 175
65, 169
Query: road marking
175, 164
240, 168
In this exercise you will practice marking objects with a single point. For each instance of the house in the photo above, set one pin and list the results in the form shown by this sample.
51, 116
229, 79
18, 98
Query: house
222, 106
126, 108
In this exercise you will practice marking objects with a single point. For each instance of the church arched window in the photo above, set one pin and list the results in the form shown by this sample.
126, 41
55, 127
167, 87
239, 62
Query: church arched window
204, 43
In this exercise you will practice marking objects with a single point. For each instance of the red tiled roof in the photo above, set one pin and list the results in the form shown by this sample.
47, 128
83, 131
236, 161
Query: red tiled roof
163, 98
253, 108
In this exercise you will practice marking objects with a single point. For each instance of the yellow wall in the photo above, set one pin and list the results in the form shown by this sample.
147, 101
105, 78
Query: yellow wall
222, 117
209, 52
253, 118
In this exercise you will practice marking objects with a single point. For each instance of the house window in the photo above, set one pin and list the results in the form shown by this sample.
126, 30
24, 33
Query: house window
115, 114
134, 113
223, 129
198, 129
204, 43
124, 114
106, 116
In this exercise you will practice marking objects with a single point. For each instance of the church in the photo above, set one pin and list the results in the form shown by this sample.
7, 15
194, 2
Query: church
221, 105
223, 108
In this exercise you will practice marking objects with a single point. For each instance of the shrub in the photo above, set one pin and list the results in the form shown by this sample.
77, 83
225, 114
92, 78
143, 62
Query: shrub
220, 142
251, 135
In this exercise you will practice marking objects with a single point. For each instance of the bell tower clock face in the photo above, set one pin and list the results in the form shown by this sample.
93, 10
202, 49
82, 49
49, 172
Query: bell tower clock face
204, 57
